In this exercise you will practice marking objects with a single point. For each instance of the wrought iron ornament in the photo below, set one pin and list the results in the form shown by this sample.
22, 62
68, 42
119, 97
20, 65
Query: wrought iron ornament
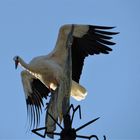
68, 132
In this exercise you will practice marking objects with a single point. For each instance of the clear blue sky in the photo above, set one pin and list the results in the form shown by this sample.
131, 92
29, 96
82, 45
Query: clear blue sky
29, 28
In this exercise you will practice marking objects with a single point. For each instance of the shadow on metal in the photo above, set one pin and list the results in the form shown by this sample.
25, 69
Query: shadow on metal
67, 132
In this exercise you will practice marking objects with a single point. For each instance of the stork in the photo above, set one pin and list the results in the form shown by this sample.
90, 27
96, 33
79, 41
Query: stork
44, 73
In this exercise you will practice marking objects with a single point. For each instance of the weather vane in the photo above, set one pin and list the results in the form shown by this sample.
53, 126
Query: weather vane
68, 132
59, 73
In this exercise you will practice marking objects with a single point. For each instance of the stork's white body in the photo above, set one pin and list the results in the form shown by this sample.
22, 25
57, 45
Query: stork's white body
50, 73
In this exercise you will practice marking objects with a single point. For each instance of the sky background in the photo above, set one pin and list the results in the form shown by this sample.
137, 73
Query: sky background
29, 28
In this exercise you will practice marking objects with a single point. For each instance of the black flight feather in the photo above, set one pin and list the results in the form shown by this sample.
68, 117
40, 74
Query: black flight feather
95, 41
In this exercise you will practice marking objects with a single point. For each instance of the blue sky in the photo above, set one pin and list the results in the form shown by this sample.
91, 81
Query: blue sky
29, 28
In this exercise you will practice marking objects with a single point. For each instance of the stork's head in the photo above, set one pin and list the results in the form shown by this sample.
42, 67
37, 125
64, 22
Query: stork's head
16, 59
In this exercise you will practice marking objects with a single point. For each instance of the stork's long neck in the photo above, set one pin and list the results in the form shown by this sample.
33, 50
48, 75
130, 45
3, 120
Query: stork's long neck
25, 65
28, 68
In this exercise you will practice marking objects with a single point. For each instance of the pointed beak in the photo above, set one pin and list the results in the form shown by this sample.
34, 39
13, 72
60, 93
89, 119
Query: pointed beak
16, 64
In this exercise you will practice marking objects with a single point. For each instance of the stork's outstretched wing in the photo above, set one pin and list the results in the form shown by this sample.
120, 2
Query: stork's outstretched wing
35, 91
94, 41
87, 40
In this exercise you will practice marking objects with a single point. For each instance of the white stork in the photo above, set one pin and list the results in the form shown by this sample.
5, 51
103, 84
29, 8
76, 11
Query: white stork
44, 73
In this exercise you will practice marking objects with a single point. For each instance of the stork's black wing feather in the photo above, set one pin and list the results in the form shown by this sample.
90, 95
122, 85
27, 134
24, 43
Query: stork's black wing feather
95, 41
35, 101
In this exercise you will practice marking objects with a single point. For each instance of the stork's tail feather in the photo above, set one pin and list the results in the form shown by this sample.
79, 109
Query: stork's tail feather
78, 92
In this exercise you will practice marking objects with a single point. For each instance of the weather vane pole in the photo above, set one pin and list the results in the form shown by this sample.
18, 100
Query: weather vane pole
68, 73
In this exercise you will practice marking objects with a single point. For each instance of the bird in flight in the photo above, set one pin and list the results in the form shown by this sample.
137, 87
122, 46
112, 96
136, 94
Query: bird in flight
44, 73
